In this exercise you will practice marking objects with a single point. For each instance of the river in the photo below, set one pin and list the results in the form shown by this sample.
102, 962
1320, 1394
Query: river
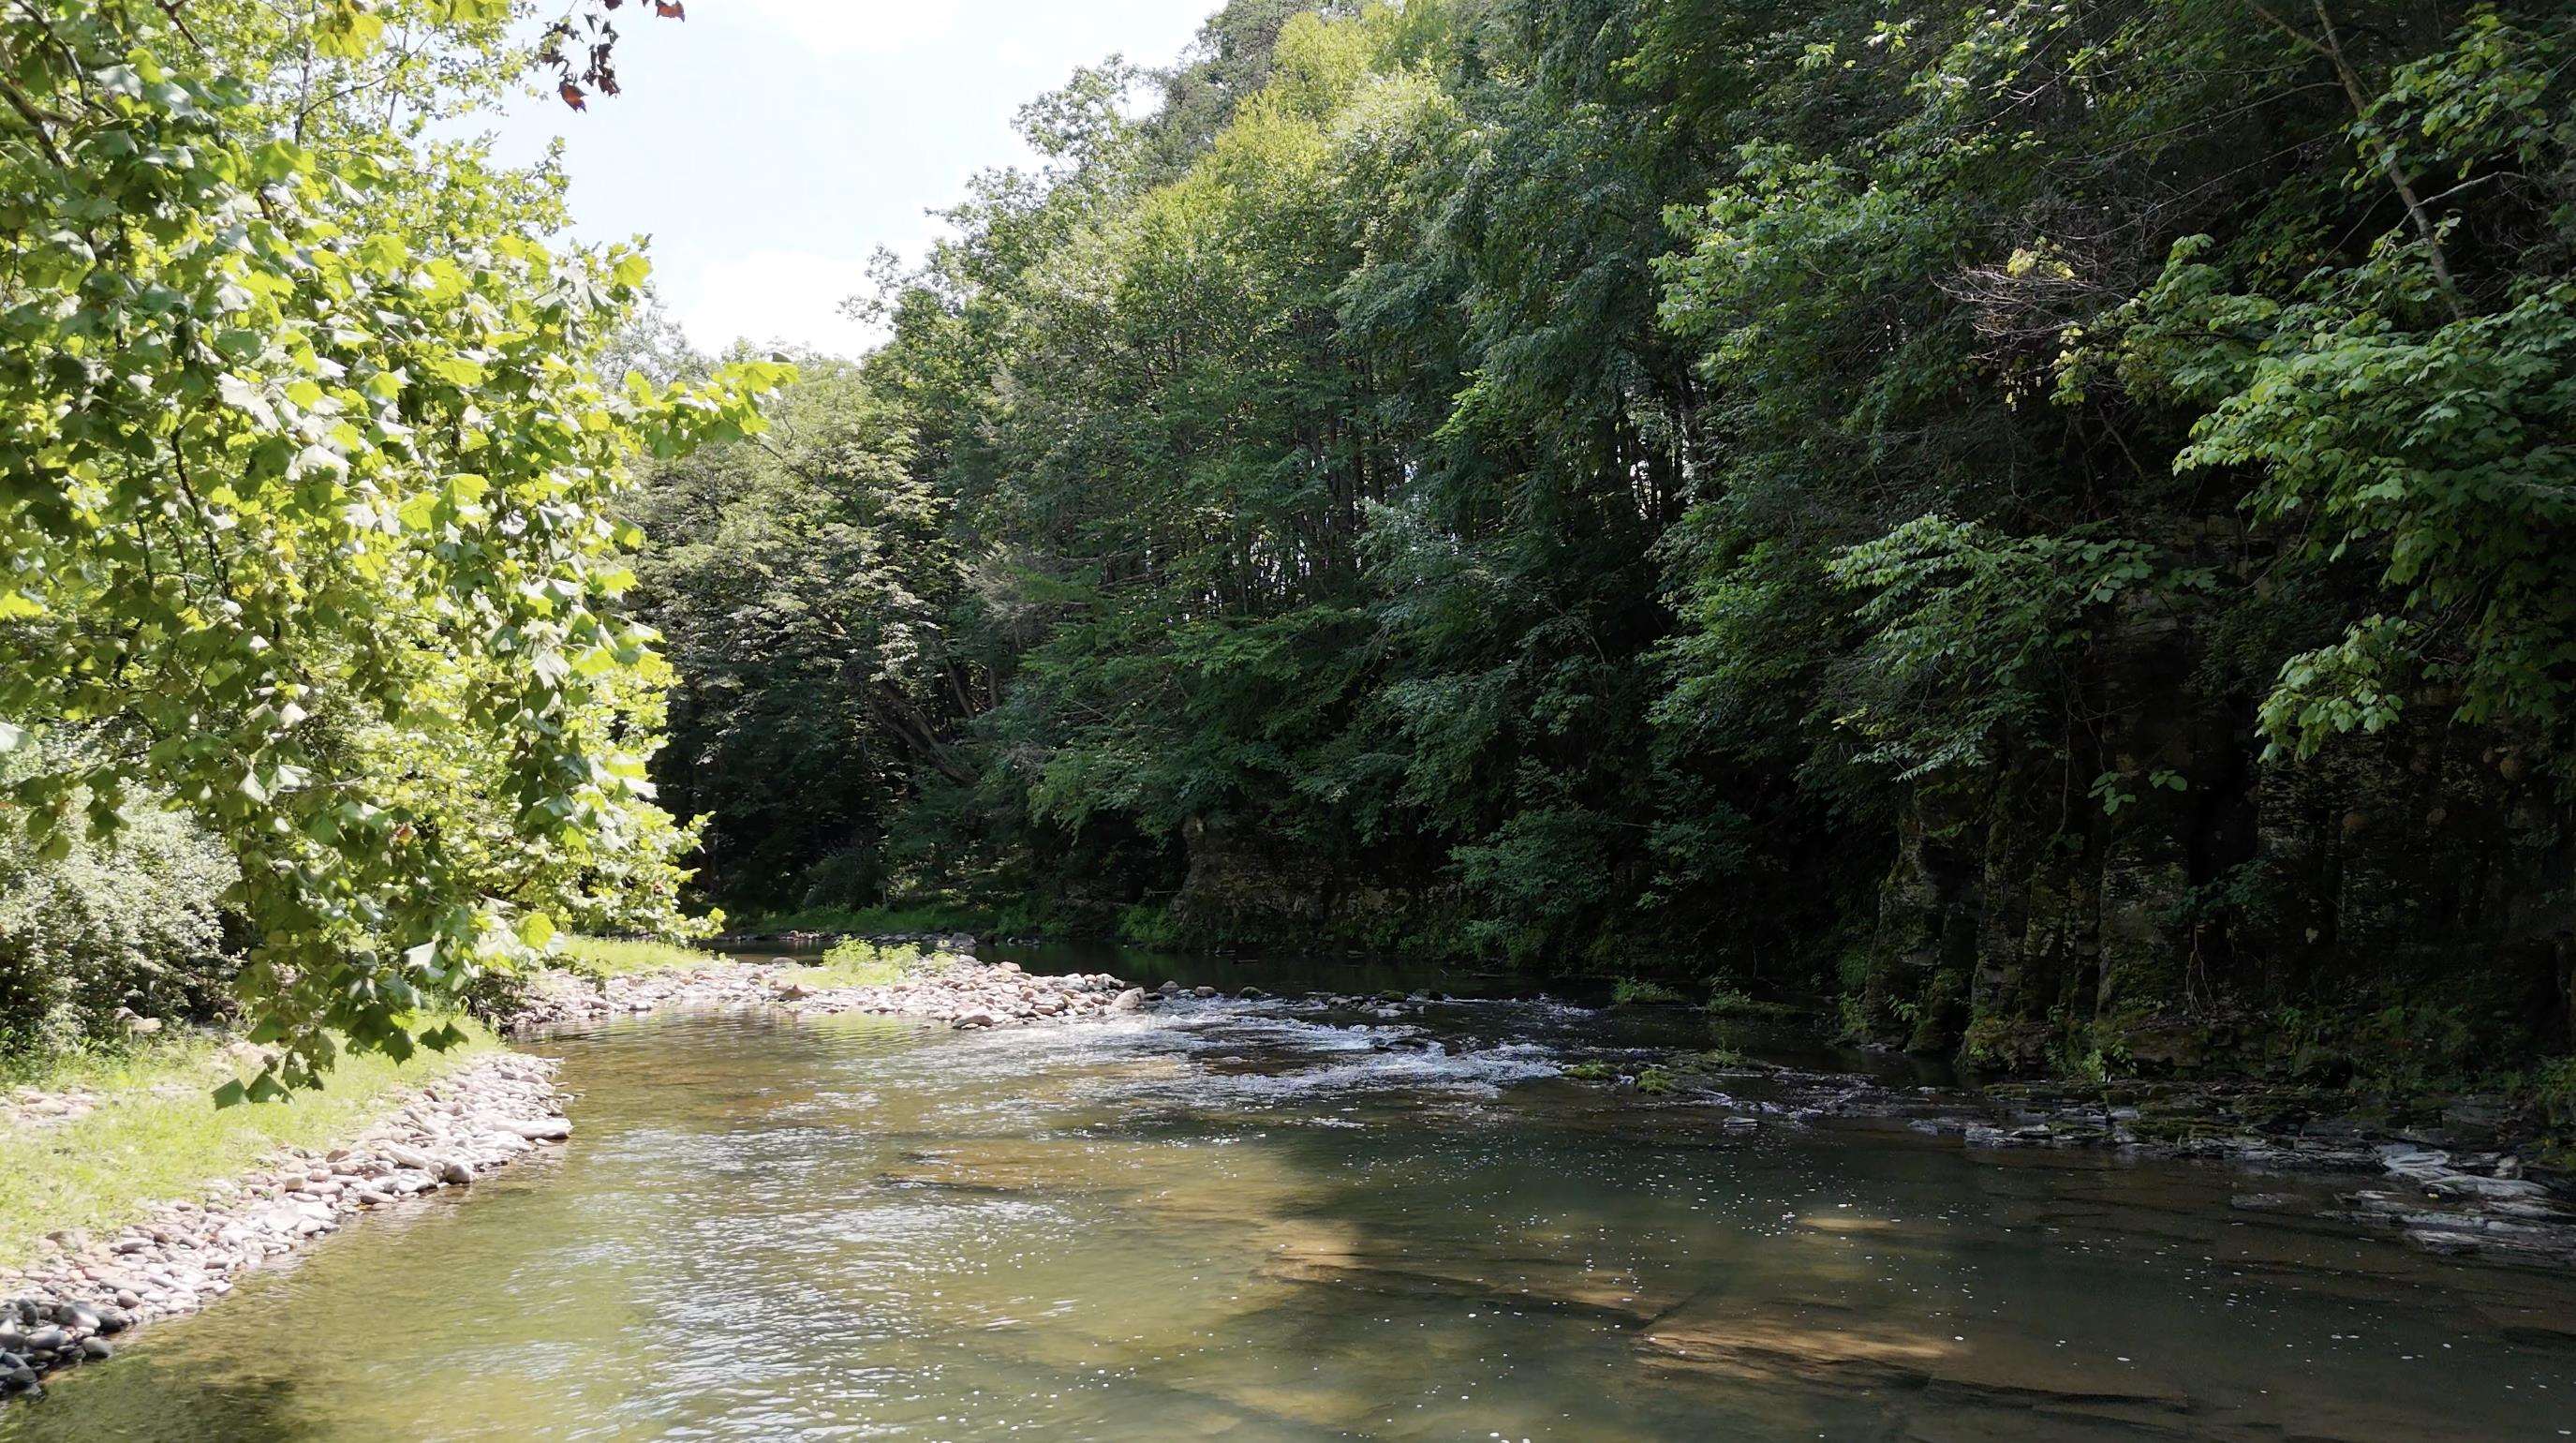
1278, 1219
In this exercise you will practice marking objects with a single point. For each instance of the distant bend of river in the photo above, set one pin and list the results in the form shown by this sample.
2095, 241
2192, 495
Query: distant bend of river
1281, 1219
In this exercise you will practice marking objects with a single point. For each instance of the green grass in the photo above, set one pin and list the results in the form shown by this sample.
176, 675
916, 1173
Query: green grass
859, 964
935, 917
158, 1135
1638, 990
613, 957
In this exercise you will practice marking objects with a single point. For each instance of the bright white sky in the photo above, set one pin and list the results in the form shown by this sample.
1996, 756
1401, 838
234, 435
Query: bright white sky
768, 146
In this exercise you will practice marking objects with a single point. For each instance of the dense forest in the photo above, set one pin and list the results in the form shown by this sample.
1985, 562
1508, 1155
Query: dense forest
2040, 528
1655, 719
2042, 524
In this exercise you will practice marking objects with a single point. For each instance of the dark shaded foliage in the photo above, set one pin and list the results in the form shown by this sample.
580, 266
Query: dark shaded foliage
2044, 522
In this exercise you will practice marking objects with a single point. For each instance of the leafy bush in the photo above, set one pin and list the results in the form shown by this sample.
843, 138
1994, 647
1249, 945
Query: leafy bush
1151, 926
1730, 1002
134, 923
859, 962
1629, 991
2553, 1092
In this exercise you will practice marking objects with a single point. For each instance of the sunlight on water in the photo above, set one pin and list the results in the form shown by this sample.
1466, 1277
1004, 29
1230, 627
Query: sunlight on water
1280, 1221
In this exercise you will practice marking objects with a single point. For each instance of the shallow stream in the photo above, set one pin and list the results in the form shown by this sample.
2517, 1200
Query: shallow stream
1279, 1219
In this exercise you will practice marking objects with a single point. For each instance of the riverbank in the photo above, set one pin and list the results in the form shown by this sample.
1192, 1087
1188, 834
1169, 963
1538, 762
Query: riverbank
2434, 1191
78, 1294
97, 1156
1296, 1216
91, 1140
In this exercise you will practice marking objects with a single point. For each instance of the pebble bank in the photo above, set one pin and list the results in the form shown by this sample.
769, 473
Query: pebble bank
68, 1305
956, 990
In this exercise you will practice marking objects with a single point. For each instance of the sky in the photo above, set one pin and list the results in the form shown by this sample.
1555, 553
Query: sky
769, 146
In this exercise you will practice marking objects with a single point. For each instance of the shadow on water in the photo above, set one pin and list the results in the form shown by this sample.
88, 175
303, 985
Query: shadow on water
1285, 1220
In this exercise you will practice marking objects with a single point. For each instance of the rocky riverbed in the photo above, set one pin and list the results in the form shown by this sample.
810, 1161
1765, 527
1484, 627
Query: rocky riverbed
953, 989
2456, 1187
71, 1304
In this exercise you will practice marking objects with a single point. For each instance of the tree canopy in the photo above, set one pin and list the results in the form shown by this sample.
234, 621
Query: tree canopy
2041, 522
2011, 516
305, 487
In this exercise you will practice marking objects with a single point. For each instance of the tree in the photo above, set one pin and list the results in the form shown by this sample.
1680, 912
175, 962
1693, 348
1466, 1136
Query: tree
304, 477
2041, 521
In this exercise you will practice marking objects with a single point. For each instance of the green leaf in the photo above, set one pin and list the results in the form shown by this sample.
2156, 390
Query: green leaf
536, 929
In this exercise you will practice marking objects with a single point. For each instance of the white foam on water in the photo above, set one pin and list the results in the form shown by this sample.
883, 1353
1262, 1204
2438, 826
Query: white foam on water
1231, 1053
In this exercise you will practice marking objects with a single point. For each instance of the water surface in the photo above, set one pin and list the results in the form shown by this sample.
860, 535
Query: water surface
1279, 1220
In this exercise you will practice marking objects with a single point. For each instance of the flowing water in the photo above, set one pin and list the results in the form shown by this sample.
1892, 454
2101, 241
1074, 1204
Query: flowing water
1283, 1220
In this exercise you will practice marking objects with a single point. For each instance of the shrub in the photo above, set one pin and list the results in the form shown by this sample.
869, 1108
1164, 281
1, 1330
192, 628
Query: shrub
2553, 1092
1729, 1002
137, 923
1629, 991
859, 962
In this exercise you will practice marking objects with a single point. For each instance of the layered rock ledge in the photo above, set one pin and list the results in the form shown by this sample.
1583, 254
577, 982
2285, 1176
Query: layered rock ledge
956, 990
2448, 1190
69, 1304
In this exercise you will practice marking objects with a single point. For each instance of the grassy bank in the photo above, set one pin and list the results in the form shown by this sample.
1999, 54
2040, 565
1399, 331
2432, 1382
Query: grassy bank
933, 917
617, 957
853, 963
157, 1135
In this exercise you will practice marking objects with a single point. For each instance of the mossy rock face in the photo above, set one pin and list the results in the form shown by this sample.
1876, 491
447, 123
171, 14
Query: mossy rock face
1589, 1072
2157, 1044
1656, 1081
2007, 1045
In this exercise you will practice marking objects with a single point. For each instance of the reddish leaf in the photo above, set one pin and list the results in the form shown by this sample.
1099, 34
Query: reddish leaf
670, 9
571, 94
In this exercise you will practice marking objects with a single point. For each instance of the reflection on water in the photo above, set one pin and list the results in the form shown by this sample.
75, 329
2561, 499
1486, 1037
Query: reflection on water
1278, 1221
